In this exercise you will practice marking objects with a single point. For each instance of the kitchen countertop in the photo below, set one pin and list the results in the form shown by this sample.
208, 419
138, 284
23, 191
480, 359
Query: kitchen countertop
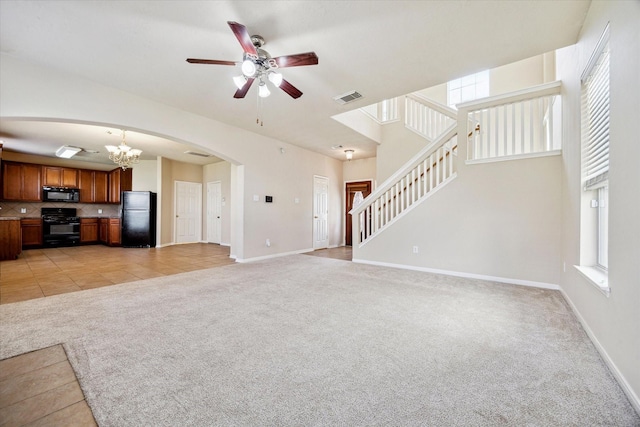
9, 218
98, 217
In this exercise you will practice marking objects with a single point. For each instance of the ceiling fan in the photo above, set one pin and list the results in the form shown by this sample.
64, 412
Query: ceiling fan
257, 64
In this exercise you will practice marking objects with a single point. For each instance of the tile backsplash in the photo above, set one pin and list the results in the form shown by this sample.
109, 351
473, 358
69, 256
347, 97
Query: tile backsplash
33, 209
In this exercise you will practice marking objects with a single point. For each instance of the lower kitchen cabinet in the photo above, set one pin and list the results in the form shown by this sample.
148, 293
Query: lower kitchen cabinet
109, 231
31, 229
88, 230
10, 246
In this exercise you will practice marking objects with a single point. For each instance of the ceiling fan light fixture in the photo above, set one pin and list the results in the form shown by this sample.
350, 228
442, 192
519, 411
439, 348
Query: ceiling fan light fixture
67, 152
249, 68
263, 90
275, 78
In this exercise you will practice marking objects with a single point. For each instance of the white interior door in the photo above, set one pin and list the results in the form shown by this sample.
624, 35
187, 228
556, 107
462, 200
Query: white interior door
214, 212
188, 205
320, 212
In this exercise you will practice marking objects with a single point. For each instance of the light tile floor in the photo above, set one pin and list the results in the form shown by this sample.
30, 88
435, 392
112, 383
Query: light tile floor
39, 273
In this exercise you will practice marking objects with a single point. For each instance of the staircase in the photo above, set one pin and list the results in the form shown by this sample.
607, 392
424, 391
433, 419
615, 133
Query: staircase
515, 125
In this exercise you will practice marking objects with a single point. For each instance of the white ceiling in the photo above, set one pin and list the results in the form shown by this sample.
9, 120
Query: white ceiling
381, 49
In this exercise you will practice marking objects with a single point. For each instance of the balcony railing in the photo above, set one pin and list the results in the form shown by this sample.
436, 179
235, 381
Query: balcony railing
518, 124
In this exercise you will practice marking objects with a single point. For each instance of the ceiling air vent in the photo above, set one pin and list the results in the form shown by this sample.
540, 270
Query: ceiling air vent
195, 153
345, 98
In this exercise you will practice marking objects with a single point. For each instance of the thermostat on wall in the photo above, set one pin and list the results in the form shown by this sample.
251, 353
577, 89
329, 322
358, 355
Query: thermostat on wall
268, 199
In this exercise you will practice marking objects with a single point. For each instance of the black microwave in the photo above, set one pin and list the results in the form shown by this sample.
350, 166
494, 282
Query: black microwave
60, 194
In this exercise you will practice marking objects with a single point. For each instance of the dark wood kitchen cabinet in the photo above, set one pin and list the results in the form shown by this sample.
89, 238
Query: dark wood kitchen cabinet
10, 242
93, 186
119, 181
21, 182
88, 230
55, 176
31, 229
109, 231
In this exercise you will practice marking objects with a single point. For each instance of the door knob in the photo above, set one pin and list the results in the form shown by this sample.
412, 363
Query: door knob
315, 216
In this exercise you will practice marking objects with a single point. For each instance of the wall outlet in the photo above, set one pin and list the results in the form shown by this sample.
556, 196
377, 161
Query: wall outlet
23, 210
99, 211
268, 242
256, 198
415, 249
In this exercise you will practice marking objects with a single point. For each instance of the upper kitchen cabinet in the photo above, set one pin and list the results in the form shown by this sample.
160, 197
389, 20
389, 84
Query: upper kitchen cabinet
119, 181
21, 182
59, 177
94, 186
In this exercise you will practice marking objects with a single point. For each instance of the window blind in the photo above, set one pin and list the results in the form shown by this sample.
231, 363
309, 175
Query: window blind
595, 83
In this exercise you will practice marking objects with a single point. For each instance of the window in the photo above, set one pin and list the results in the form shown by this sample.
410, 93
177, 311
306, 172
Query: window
468, 88
384, 111
594, 233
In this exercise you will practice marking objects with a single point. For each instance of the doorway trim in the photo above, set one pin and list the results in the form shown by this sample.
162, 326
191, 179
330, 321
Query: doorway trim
345, 204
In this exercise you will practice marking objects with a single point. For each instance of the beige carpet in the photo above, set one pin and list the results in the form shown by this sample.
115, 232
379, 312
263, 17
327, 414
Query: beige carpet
312, 341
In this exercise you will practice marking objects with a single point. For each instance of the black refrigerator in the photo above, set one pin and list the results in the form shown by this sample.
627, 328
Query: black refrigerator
138, 219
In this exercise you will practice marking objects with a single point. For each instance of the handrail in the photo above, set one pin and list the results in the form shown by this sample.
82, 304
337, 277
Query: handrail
410, 165
442, 109
552, 88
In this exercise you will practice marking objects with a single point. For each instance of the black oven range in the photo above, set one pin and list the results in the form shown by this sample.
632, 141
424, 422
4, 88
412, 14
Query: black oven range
60, 227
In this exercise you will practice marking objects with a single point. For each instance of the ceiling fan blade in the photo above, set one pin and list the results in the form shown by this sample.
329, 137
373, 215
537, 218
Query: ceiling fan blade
293, 91
209, 61
243, 37
240, 93
308, 58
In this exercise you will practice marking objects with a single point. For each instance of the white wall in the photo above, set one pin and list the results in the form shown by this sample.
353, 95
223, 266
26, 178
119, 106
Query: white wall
398, 145
145, 176
359, 170
499, 220
29, 91
611, 321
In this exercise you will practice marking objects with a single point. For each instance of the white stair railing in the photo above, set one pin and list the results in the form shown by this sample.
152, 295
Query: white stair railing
427, 118
517, 124
425, 173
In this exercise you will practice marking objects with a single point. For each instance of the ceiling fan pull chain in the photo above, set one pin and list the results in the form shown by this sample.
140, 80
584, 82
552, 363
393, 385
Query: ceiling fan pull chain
259, 111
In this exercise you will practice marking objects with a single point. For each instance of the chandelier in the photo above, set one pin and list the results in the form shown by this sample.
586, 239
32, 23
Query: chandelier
123, 155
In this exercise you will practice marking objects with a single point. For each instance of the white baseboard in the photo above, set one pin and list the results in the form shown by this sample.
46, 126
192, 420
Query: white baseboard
278, 255
626, 388
520, 282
